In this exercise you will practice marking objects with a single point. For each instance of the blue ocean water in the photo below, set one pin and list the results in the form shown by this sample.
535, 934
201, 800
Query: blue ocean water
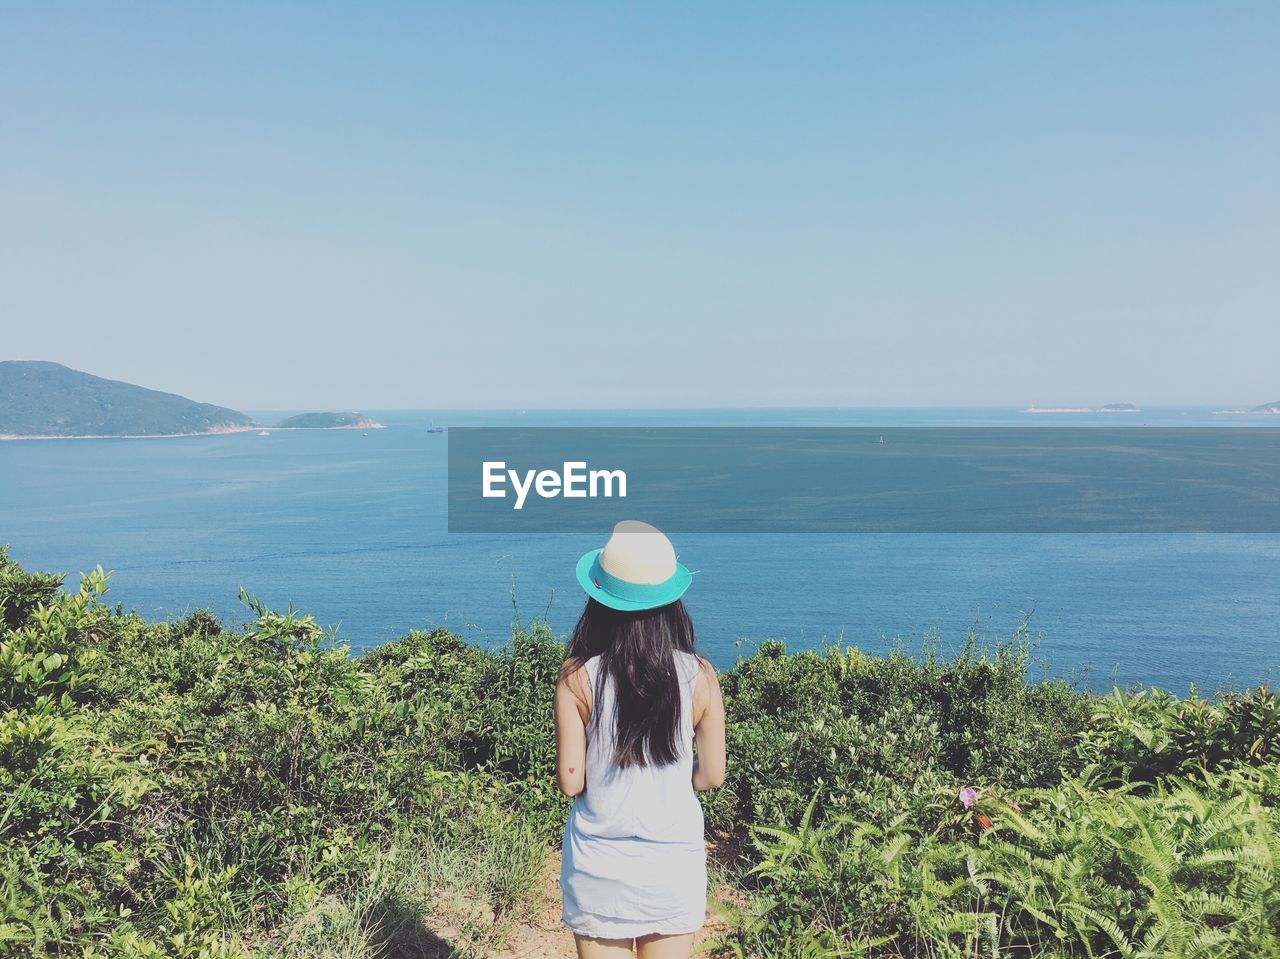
351, 527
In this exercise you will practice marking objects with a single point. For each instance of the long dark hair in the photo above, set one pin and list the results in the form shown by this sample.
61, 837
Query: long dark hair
636, 651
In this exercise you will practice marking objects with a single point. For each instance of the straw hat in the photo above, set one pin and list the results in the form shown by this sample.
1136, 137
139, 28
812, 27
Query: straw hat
635, 570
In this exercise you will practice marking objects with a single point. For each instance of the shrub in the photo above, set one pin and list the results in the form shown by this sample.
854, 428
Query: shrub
173, 789
181, 790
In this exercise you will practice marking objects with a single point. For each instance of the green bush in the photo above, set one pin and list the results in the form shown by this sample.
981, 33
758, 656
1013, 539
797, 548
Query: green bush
1136, 824
180, 790
874, 736
174, 789
1147, 734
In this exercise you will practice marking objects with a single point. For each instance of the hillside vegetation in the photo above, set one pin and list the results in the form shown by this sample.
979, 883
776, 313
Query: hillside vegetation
49, 399
180, 790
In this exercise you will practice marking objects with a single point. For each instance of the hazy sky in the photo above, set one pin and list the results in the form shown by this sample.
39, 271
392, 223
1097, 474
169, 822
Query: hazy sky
373, 205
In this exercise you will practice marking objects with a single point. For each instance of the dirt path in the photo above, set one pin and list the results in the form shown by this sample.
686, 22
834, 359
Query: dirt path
541, 936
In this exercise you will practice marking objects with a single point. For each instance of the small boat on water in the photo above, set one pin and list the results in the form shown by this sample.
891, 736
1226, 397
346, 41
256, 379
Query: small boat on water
435, 429
264, 432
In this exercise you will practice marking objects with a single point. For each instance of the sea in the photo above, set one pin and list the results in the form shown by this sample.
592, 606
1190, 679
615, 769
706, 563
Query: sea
350, 526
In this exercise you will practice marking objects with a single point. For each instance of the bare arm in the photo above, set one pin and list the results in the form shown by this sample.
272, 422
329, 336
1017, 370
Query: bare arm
708, 733
571, 729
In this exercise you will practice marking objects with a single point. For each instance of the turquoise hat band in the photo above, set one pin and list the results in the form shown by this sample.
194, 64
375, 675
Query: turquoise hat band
620, 594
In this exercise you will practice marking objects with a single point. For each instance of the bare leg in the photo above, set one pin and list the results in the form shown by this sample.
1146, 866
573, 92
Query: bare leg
665, 947
592, 948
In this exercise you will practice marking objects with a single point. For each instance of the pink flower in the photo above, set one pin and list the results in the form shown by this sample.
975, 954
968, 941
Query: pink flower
968, 796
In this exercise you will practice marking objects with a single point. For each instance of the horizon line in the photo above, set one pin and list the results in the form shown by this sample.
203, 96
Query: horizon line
1065, 408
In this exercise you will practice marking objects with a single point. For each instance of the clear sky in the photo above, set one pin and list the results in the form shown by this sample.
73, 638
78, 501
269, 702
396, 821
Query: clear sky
377, 205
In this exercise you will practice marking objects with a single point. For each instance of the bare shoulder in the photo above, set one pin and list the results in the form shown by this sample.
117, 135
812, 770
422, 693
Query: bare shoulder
571, 668
706, 687
573, 677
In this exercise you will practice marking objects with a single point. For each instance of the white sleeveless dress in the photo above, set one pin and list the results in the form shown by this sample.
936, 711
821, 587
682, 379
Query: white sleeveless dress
633, 858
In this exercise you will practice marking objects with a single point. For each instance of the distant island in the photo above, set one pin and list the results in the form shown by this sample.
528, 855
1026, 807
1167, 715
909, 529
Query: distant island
44, 400
1264, 408
39, 399
328, 421
1105, 408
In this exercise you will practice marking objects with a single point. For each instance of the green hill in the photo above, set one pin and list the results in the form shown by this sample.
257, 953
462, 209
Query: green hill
1267, 408
48, 399
329, 421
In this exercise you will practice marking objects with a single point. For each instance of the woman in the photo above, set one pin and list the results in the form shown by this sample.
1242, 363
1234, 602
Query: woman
632, 700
